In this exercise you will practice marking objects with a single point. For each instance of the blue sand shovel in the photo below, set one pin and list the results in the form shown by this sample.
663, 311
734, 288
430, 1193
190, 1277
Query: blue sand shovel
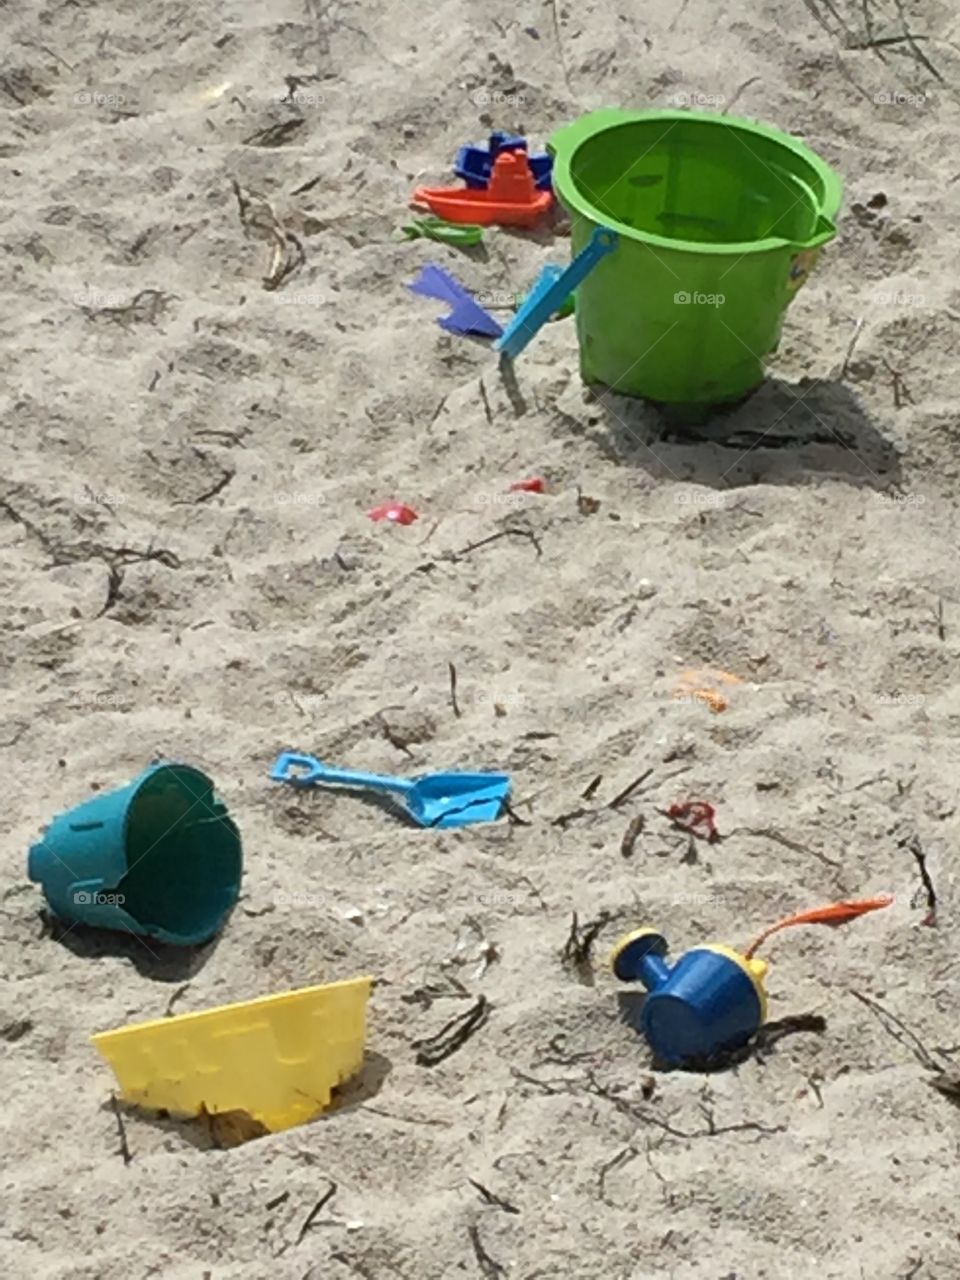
551, 290
433, 800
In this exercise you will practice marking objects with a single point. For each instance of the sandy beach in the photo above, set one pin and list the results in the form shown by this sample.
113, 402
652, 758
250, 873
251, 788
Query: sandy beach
187, 458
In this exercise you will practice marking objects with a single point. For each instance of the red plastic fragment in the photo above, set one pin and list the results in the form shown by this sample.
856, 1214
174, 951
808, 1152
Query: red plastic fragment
535, 484
398, 512
697, 817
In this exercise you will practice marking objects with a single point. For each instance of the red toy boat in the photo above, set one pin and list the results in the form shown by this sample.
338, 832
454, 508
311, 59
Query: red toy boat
511, 199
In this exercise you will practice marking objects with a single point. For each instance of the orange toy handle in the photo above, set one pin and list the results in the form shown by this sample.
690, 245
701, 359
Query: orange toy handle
836, 913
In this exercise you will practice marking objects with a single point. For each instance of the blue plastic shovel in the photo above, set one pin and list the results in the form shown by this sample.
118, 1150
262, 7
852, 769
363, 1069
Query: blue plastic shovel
551, 291
433, 800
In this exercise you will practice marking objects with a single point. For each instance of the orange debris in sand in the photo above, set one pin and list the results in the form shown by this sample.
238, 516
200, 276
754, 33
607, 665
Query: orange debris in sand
699, 685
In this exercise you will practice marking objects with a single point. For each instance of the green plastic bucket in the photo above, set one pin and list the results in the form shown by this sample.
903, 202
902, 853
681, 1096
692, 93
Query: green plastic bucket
720, 221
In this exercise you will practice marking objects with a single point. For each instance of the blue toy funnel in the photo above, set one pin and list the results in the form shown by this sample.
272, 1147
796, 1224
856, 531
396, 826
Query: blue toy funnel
709, 1000
712, 999
159, 857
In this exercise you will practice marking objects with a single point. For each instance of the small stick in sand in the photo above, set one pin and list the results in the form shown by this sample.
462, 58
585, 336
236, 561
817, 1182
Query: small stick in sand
622, 1157
631, 835
486, 403
857, 330
494, 537
453, 690
915, 49
491, 1198
947, 1082
121, 1129
588, 791
438, 410
622, 796
771, 833
275, 135
453, 1036
559, 1055
514, 817
732, 102
901, 394
579, 944
941, 628
181, 990
489, 1266
306, 186
545, 1085
226, 475
563, 820
913, 844
259, 220
311, 1217
900, 1031
635, 1111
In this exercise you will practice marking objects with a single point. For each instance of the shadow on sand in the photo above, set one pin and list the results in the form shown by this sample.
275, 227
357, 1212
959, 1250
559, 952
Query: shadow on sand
783, 433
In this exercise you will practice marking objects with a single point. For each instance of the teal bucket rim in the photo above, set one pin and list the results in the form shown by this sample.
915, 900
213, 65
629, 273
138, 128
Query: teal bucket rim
568, 191
58, 889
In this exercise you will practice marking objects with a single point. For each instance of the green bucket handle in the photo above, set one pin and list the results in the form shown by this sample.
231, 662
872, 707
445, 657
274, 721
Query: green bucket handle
825, 231
825, 228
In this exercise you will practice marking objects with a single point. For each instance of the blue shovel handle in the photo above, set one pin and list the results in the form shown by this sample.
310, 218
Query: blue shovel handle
312, 771
540, 306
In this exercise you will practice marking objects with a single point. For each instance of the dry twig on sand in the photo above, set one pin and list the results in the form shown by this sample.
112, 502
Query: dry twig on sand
489, 1266
453, 1036
121, 1129
311, 1217
144, 308
631, 835
453, 690
260, 222
579, 944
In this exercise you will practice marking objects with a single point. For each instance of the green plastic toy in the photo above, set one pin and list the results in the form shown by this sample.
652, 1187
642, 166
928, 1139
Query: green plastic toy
720, 222
460, 234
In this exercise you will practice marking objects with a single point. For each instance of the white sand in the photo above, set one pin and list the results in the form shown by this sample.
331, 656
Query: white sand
284, 618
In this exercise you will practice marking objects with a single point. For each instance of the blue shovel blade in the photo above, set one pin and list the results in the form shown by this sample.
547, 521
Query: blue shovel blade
457, 799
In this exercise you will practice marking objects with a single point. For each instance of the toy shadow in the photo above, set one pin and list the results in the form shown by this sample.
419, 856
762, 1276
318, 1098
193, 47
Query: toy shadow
366, 1084
759, 1046
378, 800
475, 252
547, 234
211, 1132
782, 433
160, 961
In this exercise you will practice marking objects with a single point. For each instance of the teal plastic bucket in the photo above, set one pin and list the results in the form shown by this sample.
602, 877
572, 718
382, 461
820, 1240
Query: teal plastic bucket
159, 857
720, 221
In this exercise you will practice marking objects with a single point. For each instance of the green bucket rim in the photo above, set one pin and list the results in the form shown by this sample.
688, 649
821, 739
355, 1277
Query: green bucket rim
565, 142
